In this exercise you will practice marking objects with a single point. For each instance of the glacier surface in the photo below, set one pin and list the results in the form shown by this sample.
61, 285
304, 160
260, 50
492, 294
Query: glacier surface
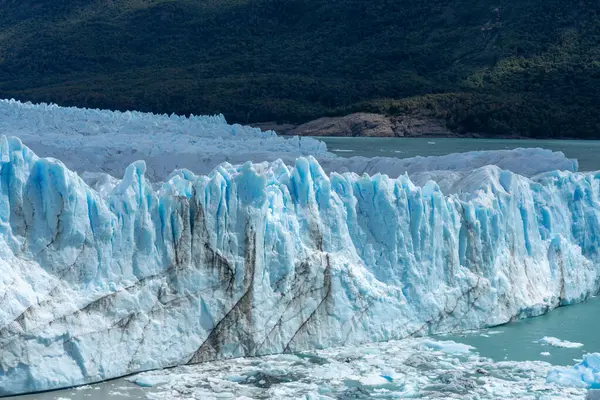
126, 276
108, 141
527, 162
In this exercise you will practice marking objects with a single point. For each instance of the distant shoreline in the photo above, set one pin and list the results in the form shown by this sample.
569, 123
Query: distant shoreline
432, 136
370, 125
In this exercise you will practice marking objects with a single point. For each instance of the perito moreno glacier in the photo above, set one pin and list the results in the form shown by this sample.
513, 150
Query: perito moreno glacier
252, 259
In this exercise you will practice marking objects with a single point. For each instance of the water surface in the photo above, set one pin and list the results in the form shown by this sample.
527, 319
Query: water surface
516, 341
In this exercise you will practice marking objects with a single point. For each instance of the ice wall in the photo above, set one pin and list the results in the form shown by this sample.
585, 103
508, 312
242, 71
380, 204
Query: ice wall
264, 258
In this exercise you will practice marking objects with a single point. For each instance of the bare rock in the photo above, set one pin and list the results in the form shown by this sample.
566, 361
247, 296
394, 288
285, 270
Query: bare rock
364, 124
419, 126
358, 124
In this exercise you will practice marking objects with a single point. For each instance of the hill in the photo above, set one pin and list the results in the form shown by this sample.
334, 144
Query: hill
525, 67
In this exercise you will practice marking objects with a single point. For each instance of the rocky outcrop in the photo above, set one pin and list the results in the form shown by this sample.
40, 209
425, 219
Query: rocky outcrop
364, 124
359, 124
419, 126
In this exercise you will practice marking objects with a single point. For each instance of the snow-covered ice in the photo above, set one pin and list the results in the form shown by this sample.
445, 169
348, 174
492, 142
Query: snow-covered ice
254, 259
555, 342
527, 162
412, 368
106, 141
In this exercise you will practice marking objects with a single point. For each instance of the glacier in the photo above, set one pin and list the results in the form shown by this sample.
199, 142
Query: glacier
261, 258
108, 141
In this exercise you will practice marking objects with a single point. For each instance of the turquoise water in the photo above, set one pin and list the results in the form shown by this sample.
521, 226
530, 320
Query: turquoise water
586, 152
516, 341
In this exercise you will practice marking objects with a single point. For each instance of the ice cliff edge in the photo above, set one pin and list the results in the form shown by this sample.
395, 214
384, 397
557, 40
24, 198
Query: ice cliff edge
264, 258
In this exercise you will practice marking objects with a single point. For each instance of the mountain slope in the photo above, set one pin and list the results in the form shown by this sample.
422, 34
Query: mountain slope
525, 67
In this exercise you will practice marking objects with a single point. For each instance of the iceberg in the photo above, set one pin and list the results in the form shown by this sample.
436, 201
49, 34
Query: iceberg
555, 342
585, 374
109, 141
113, 277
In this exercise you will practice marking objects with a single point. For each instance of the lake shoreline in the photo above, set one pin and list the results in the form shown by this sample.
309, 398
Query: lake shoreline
373, 125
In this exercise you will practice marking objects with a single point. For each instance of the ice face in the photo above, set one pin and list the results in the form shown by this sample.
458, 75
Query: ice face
262, 258
108, 141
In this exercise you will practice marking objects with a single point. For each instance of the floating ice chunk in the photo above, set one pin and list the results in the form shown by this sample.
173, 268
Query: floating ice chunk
552, 341
545, 353
584, 374
148, 380
374, 380
448, 346
422, 372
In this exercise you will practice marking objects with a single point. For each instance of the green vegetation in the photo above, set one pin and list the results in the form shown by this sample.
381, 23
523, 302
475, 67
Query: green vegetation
525, 67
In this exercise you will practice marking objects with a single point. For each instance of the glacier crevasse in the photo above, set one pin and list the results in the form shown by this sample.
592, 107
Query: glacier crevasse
264, 258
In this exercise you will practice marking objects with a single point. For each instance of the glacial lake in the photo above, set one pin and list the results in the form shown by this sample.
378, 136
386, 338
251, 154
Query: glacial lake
586, 152
517, 341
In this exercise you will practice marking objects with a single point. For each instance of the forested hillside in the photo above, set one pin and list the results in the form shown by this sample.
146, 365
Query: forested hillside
526, 67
